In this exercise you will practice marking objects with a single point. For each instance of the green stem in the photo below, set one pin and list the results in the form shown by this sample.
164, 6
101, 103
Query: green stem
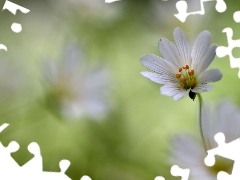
200, 120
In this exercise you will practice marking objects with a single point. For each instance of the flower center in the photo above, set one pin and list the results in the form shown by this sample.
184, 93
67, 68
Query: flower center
186, 77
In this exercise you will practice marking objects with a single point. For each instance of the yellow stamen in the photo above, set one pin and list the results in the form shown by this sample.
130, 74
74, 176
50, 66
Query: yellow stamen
186, 77
181, 84
192, 72
178, 76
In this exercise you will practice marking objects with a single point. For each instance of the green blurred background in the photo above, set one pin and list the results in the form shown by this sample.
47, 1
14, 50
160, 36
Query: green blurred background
133, 141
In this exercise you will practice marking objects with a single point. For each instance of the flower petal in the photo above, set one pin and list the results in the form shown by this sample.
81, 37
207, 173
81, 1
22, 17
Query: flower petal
181, 94
186, 151
228, 120
202, 88
224, 118
153, 77
183, 46
172, 89
169, 52
157, 64
206, 61
211, 75
158, 78
200, 48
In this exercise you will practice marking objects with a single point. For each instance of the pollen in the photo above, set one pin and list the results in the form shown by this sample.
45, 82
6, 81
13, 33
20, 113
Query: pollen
192, 72
186, 77
178, 76
181, 84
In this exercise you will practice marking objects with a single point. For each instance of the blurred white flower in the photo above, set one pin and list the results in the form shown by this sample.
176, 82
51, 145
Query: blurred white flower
189, 153
76, 90
181, 71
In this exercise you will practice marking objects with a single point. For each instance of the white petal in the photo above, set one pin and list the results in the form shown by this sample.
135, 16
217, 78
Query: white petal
211, 75
201, 88
187, 152
153, 77
169, 89
207, 60
200, 48
157, 64
183, 46
169, 52
172, 89
225, 118
228, 120
181, 94
154, 63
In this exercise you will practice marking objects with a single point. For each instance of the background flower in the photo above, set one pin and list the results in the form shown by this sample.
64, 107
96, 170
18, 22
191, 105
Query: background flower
188, 152
74, 89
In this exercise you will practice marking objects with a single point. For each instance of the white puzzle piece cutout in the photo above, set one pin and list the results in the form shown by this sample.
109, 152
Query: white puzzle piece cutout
111, 1
7, 163
85, 178
34, 165
3, 126
2, 46
33, 169
12, 7
177, 171
222, 51
236, 16
227, 150
16, 27
182, 9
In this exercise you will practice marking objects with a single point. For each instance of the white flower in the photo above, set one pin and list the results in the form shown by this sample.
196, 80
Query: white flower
75, 90
182, 71
188, 152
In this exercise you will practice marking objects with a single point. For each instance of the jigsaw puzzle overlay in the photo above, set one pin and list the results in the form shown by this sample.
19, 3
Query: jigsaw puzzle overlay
111, 1
16, 27
33, 169
182, 9
177, 171
226, 150
224, 51
220, 7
